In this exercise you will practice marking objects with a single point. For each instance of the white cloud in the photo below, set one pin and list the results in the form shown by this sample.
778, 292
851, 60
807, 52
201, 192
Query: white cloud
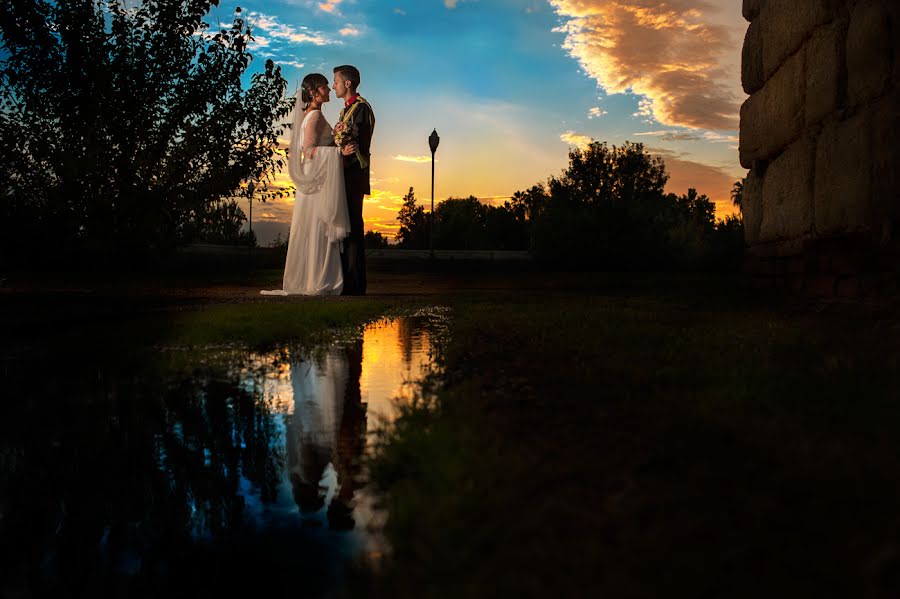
287, 33
573, 138
350, 31
595, 112
260, 42
400, 11
417, 159
451, 4
718, 138
673, 135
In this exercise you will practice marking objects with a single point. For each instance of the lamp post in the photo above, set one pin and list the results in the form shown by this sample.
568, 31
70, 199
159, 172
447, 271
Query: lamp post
433, 141
250, 188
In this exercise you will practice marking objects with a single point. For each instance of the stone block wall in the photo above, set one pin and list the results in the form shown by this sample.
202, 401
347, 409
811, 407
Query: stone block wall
820, 134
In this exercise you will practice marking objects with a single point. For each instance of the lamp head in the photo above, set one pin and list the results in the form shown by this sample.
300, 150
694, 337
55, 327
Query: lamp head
433, 141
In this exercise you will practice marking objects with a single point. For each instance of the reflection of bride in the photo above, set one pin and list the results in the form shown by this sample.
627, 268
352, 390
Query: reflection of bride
320, 219
326, 436
319, 389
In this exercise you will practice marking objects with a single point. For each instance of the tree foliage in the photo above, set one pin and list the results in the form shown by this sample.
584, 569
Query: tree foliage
221, 224
375, 240
120, 128
607, 210
737, 195
413, 233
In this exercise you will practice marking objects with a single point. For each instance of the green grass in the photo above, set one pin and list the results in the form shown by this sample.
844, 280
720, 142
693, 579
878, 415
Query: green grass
669, 442
262, 325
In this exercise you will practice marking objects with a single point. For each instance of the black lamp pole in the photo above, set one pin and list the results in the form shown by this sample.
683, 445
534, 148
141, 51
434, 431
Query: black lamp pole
433, 141
250, 188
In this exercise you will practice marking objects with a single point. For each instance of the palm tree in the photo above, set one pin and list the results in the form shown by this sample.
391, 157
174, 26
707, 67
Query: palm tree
737, 194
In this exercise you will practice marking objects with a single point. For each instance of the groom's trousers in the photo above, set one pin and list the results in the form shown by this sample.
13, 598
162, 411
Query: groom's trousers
353, 259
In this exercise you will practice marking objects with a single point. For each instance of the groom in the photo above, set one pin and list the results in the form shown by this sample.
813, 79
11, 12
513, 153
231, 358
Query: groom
358, 115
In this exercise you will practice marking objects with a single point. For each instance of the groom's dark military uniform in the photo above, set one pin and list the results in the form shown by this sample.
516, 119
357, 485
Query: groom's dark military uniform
358, 113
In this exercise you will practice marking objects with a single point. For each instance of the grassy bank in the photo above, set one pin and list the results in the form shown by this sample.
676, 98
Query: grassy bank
672, 441
88, 314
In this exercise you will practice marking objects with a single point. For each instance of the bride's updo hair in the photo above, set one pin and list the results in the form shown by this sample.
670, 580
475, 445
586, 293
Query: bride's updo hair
308, 88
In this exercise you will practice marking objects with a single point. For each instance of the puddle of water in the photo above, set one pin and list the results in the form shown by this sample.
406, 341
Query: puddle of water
246, 473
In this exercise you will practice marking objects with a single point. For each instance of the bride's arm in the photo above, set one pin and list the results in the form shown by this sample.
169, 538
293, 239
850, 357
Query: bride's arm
311, 135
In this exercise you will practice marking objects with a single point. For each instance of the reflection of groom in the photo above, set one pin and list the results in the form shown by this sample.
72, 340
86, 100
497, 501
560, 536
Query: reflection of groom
358, 114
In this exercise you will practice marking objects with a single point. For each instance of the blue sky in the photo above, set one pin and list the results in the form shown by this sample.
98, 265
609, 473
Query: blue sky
510, 85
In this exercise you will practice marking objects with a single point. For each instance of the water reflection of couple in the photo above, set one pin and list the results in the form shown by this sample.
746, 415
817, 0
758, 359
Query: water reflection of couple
329, 167
327, 434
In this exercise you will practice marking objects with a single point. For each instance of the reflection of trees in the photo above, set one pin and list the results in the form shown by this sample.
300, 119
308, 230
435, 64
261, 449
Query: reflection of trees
405, 336
328, 427
123, 472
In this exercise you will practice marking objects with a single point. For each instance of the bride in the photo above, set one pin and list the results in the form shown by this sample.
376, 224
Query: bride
320, 220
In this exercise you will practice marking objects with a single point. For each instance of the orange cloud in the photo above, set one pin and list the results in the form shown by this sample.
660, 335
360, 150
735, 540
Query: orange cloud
668, 51
714, 181
330, 5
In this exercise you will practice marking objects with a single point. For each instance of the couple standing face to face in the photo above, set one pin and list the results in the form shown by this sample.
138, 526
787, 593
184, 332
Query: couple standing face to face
343, 88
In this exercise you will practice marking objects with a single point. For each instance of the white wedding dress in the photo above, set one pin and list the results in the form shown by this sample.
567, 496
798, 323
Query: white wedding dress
320, 220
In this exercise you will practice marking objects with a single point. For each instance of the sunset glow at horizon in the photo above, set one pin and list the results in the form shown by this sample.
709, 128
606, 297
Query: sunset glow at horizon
512, 85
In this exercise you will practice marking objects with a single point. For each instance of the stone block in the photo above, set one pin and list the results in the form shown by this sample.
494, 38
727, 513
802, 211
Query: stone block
824, 69
788, 193
849, 287
886, 162
772, 118
786, 24
821, 285
893, 9
752, 206
843, 177
751, 60
750, 9
869, 52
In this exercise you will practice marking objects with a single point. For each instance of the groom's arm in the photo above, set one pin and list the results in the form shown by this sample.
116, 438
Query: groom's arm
364, 119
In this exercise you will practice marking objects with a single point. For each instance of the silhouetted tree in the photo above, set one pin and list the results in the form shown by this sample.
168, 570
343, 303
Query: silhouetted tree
221, 223
737, 194
375, 240
690, 232
120, 128
603, 210
413, 233
527, 207
460, 224
608, 210
728, 244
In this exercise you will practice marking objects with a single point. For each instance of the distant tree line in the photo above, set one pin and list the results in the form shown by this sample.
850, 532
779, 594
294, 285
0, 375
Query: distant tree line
607, 210
121, 130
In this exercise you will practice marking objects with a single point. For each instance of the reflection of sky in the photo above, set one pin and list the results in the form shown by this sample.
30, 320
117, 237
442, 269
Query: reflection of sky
510, 85
393, 359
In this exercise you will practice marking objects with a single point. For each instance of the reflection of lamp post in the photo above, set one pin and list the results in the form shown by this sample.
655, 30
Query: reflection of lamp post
433, 141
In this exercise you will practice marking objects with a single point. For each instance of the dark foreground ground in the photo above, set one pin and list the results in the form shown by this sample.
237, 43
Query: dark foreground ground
595, 435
